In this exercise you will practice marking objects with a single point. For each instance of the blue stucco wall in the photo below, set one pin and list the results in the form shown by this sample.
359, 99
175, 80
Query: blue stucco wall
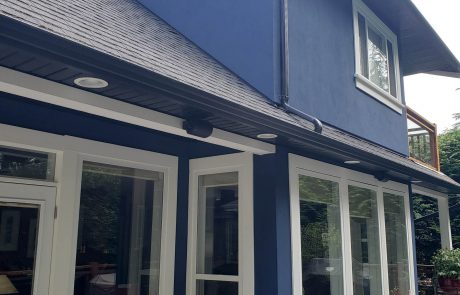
272, 224
322, 69
241, 34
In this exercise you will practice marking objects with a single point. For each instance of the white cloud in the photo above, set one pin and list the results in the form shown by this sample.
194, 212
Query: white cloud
434, 97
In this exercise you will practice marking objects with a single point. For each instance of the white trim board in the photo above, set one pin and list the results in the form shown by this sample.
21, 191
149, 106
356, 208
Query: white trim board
21, 84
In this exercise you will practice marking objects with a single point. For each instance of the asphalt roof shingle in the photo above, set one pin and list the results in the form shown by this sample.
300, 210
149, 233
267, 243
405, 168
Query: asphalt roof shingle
128, 31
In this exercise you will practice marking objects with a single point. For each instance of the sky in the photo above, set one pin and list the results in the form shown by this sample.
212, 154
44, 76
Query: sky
434, 97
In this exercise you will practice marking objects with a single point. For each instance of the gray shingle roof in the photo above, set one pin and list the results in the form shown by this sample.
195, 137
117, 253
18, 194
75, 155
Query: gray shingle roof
127, 30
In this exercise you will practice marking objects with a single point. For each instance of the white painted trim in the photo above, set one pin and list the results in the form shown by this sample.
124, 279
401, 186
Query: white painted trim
395, 103
70, 154
303, 166
39, 89
410, 245
444, 223
367, 86
444, 216
243, 164
44, 197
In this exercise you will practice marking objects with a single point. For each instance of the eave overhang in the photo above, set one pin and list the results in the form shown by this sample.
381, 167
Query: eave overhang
183, 100
421, 49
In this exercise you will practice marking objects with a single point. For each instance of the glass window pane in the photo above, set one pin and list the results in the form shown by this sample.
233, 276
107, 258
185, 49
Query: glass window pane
26, 164
391, 64
363, 45
377, 55
216, 288
119, 231
396, 238
18, 242
365, 241
217, 230
321, 238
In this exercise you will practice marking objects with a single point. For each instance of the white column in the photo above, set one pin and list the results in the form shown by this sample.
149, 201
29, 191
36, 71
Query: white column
444, 223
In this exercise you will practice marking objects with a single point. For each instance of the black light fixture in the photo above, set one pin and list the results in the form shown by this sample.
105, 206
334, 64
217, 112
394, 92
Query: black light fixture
197, 127
382, 176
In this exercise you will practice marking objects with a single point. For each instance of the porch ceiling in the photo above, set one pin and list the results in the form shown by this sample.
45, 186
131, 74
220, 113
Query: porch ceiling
186, 84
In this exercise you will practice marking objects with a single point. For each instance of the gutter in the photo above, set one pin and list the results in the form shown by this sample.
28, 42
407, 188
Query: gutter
284, 104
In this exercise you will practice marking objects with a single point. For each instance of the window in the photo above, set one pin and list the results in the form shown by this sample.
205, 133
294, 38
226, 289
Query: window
220, 260
365, 246
376, 47
350, 232
321, 235
27, 164
119, 231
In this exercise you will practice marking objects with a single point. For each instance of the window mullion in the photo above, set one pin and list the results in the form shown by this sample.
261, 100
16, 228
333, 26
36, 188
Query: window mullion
366, 25
346, 238
410, 245
382, 241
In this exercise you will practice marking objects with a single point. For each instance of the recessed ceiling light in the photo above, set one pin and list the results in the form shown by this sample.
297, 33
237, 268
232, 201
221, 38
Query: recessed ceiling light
416, 181
267, 136
352, 162
91, 82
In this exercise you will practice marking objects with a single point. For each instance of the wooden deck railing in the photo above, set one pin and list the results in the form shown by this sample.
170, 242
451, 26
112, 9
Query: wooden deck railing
423, 140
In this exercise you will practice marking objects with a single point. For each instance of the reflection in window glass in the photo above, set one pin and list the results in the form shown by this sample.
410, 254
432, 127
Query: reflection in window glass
320, 236
427, 239
119, 231
217, 230
377, 56
396, 238
26, 164
18, 243
364, 241
216, 288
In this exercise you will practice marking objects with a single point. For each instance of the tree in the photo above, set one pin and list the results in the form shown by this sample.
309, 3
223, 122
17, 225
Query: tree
449, 152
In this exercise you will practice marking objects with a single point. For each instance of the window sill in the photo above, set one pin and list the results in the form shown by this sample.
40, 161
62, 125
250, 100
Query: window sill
367, 86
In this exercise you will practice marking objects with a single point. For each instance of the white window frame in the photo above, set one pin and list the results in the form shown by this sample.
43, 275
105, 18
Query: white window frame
70, 154
444, 215
243, 164
363, 83
299, 165
43, 196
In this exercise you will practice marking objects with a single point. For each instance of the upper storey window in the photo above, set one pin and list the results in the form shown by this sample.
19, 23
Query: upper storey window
376, 55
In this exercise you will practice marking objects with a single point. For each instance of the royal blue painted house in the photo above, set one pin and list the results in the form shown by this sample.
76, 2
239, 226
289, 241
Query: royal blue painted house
212, 147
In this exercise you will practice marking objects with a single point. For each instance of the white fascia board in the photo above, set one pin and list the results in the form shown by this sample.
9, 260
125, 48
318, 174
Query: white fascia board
25, 85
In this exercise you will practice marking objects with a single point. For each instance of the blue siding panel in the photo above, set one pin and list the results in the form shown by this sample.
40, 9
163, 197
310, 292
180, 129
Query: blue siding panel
322, 72
238, 33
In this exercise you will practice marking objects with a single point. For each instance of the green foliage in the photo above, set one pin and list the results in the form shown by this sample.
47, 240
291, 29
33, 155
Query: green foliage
449, 152
426, 228
447, 263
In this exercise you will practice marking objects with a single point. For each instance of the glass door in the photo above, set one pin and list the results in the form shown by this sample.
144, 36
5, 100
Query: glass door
26, 226
220, 226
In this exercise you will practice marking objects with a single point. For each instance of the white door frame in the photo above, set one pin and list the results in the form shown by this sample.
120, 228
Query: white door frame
44, 197
70, 153
243, 164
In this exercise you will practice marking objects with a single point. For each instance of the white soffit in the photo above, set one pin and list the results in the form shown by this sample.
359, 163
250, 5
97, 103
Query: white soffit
25, 85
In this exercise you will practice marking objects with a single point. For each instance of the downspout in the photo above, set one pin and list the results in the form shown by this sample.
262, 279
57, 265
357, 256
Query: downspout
285, 71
